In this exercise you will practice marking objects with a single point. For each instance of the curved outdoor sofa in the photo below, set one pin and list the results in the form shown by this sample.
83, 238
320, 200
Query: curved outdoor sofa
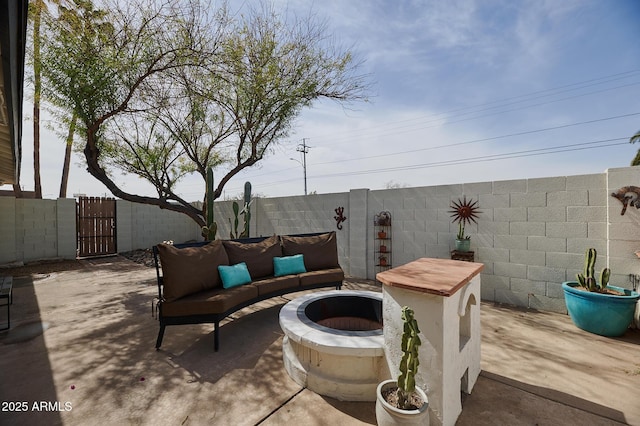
192, 289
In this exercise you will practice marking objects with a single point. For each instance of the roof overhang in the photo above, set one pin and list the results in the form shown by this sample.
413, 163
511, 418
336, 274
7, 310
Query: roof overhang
13, 35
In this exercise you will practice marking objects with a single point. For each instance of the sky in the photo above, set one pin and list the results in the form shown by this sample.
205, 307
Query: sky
463, 91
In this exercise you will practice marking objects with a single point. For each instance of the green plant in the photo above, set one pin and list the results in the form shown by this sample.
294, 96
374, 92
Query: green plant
410, 361
460, 235
210, 230
246, 212
587, 278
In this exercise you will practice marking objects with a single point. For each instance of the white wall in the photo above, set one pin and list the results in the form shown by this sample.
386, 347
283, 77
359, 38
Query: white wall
142, 226
46, 229
531, 234
37, 229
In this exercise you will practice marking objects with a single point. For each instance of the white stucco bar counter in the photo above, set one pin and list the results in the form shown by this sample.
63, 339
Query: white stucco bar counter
445, 296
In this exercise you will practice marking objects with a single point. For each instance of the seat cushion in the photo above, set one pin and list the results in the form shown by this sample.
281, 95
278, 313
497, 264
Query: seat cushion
274, 284
214, 301
191, 269
325, 276
319, 251
258, 256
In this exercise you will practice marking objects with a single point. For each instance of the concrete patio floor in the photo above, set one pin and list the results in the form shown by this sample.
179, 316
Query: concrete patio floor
81, 351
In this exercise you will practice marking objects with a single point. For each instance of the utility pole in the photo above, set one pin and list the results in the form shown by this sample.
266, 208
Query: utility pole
304, 149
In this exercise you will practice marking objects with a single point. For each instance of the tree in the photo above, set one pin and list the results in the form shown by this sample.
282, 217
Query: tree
41, 19
635, 138
64, 180
36, 9
162, 90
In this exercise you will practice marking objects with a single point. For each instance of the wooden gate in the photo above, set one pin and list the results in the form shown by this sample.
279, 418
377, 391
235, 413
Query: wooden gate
96, 225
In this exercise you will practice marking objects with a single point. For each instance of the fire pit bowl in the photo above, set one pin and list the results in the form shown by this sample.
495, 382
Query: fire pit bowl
333, 343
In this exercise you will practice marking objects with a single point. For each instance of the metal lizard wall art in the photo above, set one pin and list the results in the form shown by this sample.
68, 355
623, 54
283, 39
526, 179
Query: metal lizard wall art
628, 196
340, 217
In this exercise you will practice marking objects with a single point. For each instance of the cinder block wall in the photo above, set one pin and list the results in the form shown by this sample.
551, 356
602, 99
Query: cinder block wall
142, 226
37, 229
291, 215
46, 229
531, 234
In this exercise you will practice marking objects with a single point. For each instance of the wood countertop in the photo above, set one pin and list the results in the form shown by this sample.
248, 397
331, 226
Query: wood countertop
436, 276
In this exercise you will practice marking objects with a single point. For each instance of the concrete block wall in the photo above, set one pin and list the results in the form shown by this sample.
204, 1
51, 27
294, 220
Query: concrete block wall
531, 233
8, 230
623, 231
141, 226
293, 215
37, 229
33, 230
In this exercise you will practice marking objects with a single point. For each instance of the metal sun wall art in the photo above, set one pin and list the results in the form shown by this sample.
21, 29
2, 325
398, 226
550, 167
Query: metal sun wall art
340, 217
628, 196
464, 211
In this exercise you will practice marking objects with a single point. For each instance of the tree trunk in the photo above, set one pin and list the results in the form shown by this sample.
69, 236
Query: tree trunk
67, 157
92, 153
37, 83
17, 191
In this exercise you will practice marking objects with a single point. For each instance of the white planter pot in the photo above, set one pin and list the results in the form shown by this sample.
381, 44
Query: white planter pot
387, 415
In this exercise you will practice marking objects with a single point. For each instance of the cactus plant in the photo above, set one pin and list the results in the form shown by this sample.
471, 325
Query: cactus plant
210, 230
410, 361
460, 235
587, 277
233, 229
246, 212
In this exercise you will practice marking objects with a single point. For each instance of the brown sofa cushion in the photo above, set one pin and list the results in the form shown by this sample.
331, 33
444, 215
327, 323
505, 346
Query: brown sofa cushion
319, 251
258, 256
313, 278
191, 269
273, 284
214, 301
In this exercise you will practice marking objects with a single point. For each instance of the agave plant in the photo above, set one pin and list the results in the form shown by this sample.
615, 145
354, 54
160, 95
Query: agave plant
587, 278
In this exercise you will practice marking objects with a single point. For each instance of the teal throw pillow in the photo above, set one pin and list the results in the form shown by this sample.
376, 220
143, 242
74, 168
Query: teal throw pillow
288, 265
234, 275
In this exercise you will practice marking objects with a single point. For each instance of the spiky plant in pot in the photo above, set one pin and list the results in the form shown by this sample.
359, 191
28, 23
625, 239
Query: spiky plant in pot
587, 279
410, 361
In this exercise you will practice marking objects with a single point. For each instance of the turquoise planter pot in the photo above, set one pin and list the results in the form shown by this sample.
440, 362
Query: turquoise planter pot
463, 245
606, 315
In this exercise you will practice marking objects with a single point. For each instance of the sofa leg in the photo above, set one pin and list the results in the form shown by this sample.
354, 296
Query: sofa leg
160, 336
216, 336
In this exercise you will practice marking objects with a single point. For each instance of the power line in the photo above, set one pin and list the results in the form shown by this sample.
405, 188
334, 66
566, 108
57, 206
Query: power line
419, 126
434, 117
557, 90
528, 132
494, 157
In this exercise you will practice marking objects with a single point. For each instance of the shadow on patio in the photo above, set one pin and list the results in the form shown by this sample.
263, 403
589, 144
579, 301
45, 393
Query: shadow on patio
24, 345
537, 367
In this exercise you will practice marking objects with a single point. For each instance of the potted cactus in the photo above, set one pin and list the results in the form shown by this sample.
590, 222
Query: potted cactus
595, 306
401, 401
